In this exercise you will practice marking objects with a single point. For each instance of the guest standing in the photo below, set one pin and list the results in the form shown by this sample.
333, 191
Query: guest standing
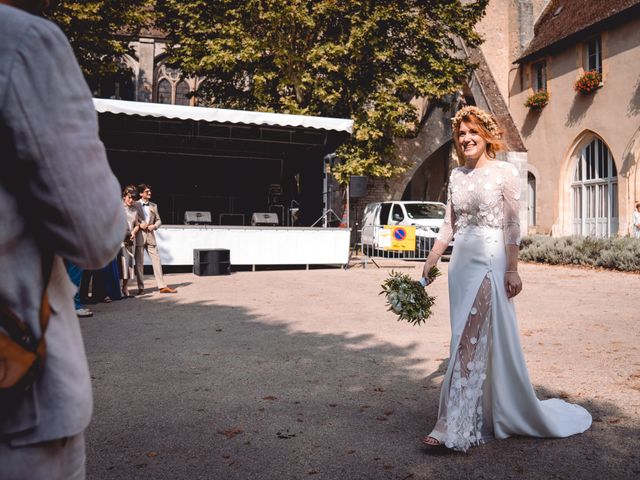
76, 275
151, 222
635, 220
133, 237
111, 275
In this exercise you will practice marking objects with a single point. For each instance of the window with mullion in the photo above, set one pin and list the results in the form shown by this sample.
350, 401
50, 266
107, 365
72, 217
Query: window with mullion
540, 76
595, 192
182, 93
164, 91
594, 55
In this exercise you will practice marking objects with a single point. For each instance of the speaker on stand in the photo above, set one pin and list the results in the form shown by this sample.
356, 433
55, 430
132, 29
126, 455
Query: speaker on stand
357, 186
357, 190
275, 201
328, 214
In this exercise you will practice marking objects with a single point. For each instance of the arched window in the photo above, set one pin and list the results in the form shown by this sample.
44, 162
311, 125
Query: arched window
181, 93
594, 195
164, 91
118, 85
531, 189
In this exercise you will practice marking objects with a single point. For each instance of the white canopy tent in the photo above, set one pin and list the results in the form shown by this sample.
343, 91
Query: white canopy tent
220, 135
221, 115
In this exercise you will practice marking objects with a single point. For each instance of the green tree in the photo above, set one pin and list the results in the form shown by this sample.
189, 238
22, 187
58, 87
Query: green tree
100, 31
362, 59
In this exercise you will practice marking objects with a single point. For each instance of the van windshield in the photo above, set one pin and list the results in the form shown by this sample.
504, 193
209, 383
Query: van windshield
421, 211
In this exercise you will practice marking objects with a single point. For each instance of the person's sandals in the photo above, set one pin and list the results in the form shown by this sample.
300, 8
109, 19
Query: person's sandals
432, 445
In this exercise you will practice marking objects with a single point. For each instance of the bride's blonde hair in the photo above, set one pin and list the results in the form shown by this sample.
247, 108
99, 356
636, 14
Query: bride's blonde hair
486, 125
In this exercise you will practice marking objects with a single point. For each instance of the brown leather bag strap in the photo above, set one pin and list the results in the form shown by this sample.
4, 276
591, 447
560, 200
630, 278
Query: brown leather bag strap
45, 313
17, 328
45, 308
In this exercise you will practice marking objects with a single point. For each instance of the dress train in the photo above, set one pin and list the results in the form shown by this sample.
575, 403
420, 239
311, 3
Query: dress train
486, 391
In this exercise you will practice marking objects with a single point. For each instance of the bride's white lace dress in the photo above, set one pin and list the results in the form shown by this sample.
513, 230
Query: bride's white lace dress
486, 391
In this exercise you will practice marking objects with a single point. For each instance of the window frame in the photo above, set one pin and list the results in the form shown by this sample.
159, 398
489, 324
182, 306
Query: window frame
178, 93
170, 91
385, 212
538, 76
532, 195
395, 210
594, 188
595, 43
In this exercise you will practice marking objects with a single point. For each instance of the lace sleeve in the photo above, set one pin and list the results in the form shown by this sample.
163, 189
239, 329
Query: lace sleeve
511, 197
446, 231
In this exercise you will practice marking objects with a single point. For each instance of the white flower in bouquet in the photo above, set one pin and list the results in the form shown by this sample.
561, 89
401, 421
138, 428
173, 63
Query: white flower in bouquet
407, 298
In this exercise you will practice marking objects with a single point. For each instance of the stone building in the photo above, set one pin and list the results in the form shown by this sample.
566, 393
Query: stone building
151, 78
583, 148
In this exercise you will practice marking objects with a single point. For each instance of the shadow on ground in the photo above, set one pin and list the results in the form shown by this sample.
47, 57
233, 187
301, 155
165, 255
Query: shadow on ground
218, 393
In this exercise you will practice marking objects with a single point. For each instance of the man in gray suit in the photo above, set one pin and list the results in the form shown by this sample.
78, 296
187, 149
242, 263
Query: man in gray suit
151, 222
59, 198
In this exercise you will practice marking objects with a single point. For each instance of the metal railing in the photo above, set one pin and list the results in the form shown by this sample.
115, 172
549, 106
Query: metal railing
377, 241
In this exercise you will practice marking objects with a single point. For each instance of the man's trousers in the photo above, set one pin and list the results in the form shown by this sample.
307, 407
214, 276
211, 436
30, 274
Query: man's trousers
152, 250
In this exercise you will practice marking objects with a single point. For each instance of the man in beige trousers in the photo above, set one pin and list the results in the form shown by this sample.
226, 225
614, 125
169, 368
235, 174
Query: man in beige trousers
151, 222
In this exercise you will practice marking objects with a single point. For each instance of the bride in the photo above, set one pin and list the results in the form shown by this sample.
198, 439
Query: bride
486, 391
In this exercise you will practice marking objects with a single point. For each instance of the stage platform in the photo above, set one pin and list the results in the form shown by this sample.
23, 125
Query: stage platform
256, 245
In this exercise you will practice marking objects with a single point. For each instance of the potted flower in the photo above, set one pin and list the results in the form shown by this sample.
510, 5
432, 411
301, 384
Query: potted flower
588, 82
538, 100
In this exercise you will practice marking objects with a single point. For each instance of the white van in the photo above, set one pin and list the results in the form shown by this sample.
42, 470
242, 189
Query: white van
427, 217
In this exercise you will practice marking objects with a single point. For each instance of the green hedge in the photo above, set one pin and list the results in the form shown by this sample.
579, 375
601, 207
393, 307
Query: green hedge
619, 253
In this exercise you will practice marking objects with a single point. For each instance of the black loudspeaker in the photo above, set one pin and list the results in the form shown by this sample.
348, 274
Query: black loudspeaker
275, 194
357, 186
211, 262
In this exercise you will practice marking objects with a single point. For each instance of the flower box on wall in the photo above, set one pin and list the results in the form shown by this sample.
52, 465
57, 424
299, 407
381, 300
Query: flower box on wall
538, 100
588, 82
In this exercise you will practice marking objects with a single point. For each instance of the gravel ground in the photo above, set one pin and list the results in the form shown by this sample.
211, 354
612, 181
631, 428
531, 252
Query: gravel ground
294, 374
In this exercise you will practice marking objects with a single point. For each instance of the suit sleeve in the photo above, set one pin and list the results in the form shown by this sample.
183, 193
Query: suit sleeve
67, 189
158, 222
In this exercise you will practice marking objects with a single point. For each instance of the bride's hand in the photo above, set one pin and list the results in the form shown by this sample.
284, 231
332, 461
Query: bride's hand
512, 284
425, 272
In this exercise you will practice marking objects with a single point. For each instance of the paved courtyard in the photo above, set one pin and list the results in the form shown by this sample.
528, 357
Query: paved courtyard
304, 375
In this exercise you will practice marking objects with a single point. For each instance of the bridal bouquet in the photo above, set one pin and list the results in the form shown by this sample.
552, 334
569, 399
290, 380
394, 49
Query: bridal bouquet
408, 298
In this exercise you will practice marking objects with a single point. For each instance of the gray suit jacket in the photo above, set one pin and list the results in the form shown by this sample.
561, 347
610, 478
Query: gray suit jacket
54, 176
154, 219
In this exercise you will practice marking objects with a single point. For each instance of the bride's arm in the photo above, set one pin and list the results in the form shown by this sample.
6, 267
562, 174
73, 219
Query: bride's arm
511, 227
444, 237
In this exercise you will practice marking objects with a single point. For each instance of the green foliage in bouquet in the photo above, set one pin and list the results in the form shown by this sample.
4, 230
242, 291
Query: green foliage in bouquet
408, 298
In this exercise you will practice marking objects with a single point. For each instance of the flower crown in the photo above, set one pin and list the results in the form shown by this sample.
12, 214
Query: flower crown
485, 118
